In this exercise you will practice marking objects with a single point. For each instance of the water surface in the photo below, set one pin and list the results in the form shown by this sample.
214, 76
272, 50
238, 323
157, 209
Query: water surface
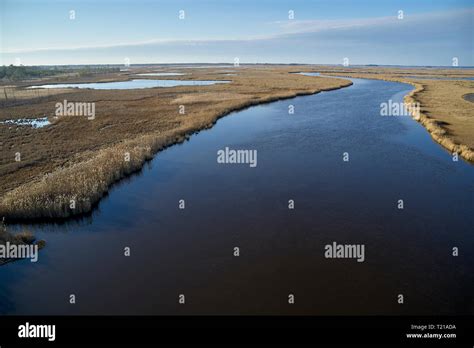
134, 84
38, 122
300, 157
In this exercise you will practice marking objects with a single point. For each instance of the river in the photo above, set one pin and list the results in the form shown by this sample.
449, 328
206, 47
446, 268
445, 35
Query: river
300, 157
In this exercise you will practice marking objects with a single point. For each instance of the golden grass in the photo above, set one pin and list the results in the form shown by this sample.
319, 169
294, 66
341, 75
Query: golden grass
452, 123
445, 114
12, 93
69, 166
24, 237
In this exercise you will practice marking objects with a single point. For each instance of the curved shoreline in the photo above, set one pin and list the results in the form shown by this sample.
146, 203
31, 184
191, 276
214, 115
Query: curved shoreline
50, 203
437, 132
107, 167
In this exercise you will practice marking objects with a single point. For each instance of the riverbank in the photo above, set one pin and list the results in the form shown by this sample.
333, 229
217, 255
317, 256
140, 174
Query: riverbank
300, 157
67, 167
444, 112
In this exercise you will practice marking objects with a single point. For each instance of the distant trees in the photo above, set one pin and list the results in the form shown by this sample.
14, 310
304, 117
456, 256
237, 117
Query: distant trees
18, 73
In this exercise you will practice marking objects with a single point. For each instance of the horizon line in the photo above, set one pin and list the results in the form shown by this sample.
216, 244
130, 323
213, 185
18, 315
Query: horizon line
232, 64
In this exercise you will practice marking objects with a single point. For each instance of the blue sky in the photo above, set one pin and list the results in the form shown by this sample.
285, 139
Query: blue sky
432, 32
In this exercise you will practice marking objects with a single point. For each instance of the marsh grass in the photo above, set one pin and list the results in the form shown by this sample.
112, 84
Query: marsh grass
74, 190
24, 237
445, 114
437, 128
91, 159
67, 167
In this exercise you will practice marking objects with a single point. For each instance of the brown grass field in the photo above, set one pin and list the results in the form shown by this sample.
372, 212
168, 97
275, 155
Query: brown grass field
76, 159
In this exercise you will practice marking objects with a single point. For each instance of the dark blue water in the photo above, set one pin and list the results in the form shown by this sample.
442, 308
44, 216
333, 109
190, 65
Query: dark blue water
300, 157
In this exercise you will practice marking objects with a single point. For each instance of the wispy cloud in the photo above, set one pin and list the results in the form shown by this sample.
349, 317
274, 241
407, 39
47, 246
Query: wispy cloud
313, 26
287, 28
428, 39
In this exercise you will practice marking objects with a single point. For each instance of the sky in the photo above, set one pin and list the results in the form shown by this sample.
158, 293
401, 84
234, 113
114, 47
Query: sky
394, 32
